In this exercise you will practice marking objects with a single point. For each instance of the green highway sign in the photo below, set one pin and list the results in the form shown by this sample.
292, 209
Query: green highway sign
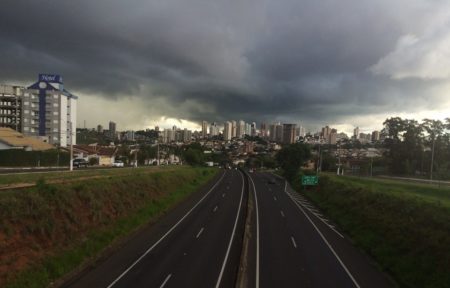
310, 180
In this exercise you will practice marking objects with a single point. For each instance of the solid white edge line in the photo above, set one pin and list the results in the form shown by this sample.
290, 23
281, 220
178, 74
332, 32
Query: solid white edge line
200, 232
232, 235
165, 235
165, 281
257, 233
313, 211
325, 240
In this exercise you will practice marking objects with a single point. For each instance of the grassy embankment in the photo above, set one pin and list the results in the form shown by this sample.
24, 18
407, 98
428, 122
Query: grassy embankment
48, 230
405, 227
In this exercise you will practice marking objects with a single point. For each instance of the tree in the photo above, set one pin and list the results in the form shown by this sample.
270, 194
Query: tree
292, 157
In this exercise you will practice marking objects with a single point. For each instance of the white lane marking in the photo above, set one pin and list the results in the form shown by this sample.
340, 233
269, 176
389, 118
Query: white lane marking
282, 214
199, 232
165, 235
223, 195
326, 242
257, 234
165, 281
315, 213
215, 208
274, 198
293, 242
232, 235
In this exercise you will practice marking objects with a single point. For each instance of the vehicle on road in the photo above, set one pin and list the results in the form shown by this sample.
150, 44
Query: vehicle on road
118, 163
80, 162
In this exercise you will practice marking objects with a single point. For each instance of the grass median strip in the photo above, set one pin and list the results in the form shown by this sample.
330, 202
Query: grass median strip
51, 229
405, 227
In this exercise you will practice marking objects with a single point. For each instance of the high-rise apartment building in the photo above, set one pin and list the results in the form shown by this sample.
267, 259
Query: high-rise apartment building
302, 132
227, 131
99, 129
11, 107
289, 133
279, 133
240, 129
112, 130
233, 129
44, 109
204, 129
213, 129
263, 130
253, 129
356, 133
375, 136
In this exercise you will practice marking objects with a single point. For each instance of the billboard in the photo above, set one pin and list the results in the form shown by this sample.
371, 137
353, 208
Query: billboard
51, 78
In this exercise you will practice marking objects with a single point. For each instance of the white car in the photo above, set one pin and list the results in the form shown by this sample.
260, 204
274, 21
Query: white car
118, 163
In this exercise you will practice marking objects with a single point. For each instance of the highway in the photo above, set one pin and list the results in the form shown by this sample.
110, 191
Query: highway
196, 245
298, 247
201, 243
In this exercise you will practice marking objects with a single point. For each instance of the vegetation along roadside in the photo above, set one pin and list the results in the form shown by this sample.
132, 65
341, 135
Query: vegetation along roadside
404, 227
48, 230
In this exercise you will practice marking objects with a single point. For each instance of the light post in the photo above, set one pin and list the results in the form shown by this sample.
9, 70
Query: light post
339, 160
432, 159
71, 147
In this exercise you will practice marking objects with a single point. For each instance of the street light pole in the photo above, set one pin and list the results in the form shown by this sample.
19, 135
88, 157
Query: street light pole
71, 147
432, 160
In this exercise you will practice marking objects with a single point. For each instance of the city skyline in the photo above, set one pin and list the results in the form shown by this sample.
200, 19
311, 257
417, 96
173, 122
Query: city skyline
342, 63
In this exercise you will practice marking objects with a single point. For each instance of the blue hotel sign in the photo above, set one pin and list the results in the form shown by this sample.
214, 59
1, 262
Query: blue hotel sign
50, 78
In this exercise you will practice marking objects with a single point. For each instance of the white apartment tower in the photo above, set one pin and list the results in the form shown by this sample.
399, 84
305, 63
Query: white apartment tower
45, 109
204, 129
227, 131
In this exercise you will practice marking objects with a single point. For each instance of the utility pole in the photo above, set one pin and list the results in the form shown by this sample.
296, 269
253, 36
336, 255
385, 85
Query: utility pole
71, 147
432, 159
157, 153
339, 160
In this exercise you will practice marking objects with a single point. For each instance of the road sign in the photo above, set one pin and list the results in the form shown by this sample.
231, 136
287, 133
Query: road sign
310, 180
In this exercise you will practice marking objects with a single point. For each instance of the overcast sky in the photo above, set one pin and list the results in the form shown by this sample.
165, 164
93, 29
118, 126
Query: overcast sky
176, 62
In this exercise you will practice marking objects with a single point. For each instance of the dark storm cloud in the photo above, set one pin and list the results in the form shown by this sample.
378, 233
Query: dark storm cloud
254, 60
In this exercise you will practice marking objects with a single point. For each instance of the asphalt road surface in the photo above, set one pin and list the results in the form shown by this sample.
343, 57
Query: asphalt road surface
298, 247
200, 243
196, 245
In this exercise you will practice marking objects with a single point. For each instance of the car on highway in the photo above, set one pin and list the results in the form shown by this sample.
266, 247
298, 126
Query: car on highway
118, 163
80, 162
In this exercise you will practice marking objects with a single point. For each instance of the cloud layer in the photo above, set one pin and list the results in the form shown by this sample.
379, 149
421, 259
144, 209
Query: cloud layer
317, 62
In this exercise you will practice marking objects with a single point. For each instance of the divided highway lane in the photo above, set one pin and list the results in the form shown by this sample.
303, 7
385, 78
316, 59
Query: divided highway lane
297, 249
198, 246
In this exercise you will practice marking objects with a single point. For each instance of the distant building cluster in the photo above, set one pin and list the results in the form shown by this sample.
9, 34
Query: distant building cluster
45, 110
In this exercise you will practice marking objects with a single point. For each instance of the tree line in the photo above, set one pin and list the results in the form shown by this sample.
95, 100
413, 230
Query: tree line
417, 148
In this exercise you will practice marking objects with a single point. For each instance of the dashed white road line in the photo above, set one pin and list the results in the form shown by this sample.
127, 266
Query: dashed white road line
165, 281
200, 232
215, 208
293, 242
274, 198
165, 235
219, 279
282, 214
223, 195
